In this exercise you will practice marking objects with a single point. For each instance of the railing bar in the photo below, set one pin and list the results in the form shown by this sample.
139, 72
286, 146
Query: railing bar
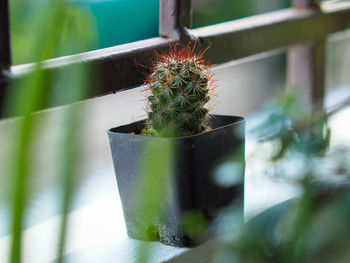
305, 3
241, 31
254, 22
335, 109
112, 72
237, 39
121, 68
98, 56
5, 47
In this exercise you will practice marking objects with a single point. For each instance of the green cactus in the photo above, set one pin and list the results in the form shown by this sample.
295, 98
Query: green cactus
179, 87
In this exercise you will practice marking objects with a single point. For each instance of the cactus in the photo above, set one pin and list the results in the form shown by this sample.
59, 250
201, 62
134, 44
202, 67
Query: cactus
179, 88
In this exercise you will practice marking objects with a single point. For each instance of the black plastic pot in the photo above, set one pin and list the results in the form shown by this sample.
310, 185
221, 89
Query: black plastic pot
192, 188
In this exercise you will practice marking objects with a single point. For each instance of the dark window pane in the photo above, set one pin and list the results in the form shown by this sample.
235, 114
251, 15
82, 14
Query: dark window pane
122, 21
208, 12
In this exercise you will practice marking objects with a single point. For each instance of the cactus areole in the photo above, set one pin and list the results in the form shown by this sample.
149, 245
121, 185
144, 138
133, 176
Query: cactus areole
178, 90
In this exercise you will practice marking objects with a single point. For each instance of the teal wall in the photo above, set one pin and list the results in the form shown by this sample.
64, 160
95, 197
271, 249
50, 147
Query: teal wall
123, 21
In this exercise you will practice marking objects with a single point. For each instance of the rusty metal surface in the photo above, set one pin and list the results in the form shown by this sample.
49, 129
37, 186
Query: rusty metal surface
119, 67
175, 15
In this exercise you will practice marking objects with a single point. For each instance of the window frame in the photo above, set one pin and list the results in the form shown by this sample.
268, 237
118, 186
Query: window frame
119, 66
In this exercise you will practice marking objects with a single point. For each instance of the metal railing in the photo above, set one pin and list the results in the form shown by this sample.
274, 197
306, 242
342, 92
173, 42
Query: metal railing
5, 48
301, 29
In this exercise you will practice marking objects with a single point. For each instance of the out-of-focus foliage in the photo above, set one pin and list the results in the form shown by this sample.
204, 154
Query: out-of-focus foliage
71, 24
153, 189
48, 28
296, 128
313, 227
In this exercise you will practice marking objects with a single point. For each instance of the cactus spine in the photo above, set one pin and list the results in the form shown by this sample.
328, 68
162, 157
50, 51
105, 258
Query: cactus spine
179, 88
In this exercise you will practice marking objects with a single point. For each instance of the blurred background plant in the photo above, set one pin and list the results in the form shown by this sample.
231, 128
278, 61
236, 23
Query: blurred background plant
47, 29
314, 226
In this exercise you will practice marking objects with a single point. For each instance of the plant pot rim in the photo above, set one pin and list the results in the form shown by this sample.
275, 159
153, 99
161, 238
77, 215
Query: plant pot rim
235, 120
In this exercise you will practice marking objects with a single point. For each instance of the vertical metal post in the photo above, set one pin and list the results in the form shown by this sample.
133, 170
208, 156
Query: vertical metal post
175, 17
5, 49
306, 65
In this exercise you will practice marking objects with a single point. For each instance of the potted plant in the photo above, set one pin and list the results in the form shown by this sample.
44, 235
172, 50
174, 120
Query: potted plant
190, 144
